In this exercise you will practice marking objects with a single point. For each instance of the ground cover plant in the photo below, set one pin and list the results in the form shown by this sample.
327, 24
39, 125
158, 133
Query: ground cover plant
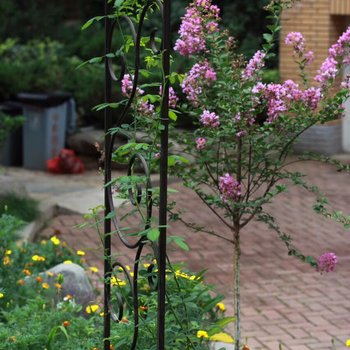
35, 314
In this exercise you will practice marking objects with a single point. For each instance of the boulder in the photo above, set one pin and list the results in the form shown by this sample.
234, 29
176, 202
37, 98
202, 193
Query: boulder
75, 283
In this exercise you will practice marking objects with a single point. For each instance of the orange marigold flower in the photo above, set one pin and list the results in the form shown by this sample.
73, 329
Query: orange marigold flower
49, 273
6, 260
39, 279
143, 308
66, 323
20, 282
27, 272
58, 286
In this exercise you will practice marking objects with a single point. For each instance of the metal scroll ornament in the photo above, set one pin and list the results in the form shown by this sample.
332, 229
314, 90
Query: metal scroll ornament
114, 310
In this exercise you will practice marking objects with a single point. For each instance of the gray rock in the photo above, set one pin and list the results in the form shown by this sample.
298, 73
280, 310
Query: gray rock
76, 283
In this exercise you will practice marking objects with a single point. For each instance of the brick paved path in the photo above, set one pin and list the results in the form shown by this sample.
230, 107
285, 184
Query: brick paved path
283, 301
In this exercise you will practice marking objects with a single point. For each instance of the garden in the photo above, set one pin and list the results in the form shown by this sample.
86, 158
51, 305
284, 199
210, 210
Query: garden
213, 233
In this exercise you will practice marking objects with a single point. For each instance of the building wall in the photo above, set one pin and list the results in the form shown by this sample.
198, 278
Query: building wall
321, 22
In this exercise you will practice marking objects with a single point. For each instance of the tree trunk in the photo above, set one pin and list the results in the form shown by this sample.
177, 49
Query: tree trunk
237, 297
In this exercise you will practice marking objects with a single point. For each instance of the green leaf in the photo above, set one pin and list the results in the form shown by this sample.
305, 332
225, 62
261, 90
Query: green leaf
225, 321
90, 21
179, 241
153, 234
268, 37
172, 116
118, 3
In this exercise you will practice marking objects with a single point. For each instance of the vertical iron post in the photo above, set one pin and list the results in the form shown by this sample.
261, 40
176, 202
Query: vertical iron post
107, 179
163, 176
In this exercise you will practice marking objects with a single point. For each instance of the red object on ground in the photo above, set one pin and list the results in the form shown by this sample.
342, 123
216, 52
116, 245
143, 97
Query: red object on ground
65, 163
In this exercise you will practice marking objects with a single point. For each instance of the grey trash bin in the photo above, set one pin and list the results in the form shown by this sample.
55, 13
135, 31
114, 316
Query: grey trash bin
44, 131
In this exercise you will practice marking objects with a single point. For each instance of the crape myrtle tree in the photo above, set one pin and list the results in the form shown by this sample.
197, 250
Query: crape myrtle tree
246, 128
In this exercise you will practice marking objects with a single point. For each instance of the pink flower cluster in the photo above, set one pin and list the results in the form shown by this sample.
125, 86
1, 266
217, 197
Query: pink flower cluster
280, 96
254, 65
329, 68
200, 143
127, 85
340, 47
173, 99
327, 71
229, 187
327, 262
200, 17
210, 119
297, 40
145, 108
200, 75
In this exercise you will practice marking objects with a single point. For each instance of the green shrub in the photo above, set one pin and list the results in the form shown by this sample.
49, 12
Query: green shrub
44, 66
7, 125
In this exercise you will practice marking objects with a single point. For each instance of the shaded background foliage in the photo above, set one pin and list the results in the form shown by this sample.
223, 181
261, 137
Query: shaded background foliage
39, 25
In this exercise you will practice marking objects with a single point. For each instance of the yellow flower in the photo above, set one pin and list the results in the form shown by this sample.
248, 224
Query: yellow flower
221, 307
49, 273
55, 240
179, 273
67, 297
58, 286
93, 269
6, 260
202, 334
2, 295
67, 262
348, 343
8, 252
117, 282
38, 258
45, 285
102, 314
223, 337
27, 272
92, 309
80, 252
43, 242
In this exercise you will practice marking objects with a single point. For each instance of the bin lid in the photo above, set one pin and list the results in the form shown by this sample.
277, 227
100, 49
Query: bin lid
43, 99
11, 108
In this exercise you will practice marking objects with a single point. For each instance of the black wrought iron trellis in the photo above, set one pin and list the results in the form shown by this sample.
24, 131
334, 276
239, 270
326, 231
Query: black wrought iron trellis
160, 250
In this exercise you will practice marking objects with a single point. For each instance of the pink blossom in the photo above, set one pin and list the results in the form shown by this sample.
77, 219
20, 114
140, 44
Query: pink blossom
200, 17
212, 27
192, 38
200, 76
173, 99
127, 85
327, 71
255, 64
312, 97
229, 187
327, 262
201, 142
241, 133
297, 40
309, 57
145, 108
210, 119
157, 155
